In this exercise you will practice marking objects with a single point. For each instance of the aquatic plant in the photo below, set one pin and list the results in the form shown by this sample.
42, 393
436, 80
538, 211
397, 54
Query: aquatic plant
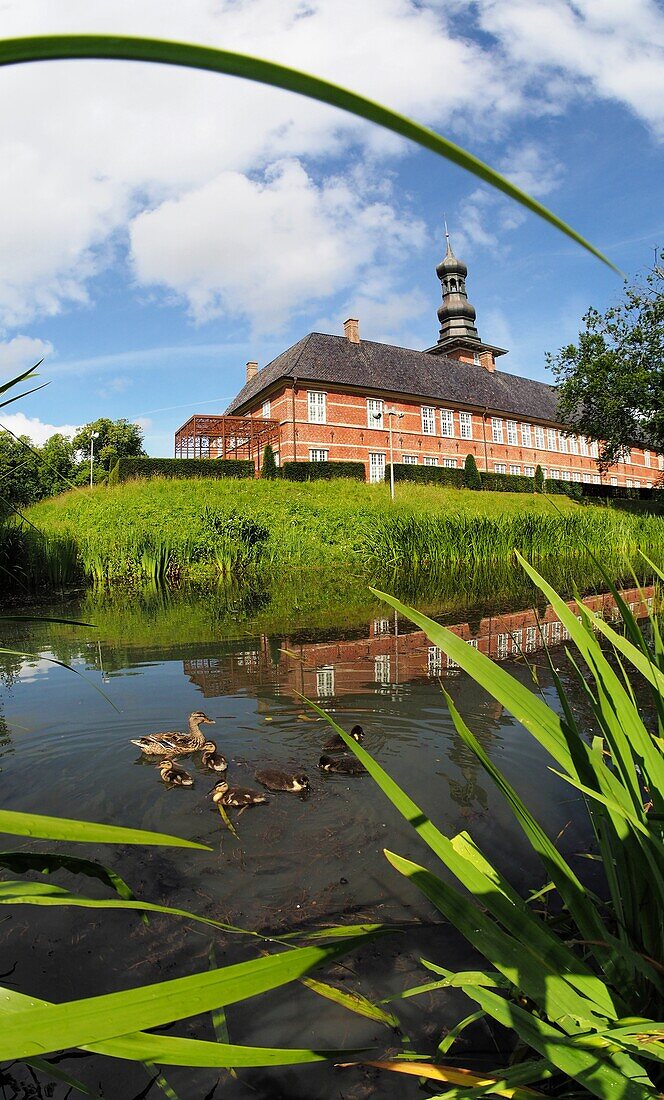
579, 983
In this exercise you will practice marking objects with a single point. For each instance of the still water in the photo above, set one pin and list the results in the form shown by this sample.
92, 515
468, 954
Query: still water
246, 660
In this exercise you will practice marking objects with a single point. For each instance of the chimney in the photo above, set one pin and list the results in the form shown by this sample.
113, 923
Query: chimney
352, 330
487, 360
252, 369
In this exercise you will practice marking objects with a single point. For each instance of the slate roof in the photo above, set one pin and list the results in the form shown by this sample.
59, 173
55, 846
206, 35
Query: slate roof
369, 366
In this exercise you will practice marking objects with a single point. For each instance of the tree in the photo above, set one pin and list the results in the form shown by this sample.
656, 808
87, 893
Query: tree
539, 479
269, 468
471, 475
57, 469
115, 439
611, 385
19, 472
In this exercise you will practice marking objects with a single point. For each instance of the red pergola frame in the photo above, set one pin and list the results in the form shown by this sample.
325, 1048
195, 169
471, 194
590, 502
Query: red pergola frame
241, 437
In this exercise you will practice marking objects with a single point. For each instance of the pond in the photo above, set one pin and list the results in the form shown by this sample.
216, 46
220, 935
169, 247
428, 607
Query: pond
246, 658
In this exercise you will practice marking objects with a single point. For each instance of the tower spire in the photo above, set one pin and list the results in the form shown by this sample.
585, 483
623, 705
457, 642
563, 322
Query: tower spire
456, 314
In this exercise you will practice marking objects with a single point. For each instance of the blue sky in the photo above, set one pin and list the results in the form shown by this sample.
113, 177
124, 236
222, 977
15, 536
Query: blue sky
162, 227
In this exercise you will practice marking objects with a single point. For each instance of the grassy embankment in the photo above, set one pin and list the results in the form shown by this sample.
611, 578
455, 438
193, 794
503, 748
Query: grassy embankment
146, 528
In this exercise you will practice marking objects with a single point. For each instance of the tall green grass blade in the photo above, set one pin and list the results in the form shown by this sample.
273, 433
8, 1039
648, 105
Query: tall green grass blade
48, 862
85, 832
42, 1065
62, 664
453, 1034
353, 1001
43, 1029
61, 47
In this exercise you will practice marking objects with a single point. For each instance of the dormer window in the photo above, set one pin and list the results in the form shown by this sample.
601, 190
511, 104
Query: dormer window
476, 359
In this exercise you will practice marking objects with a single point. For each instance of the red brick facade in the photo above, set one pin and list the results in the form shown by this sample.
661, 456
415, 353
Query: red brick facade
348, 431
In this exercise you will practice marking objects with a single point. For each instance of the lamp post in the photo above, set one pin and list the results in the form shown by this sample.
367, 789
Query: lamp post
93, 436
379, 416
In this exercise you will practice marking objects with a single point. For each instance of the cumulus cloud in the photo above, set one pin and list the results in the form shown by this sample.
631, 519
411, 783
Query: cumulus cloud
35, 429
20, 353
119, 146
260, 248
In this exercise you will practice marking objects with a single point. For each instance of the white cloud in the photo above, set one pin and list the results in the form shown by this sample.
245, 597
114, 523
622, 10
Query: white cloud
261, 248
35, 429
89, 148
20, 353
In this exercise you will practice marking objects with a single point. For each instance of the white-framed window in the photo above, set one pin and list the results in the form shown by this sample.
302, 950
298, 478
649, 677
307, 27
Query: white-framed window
446, 422
277, 460
476, 359
496, 429
318, 454
317, 407
531, 639
502, 646
451, 463
597, 479
576, 475
526, 435
614, 480
428, 420
594, 449
583, 444
382, 668
628, 482
556, 627
374, 412
586, 479
430, 460
512, 436
646, 458
573, 444
528, 471
500, 467
515, 469
562, 443
660, 461
265, 411
382, 626
554, 475
410, 460
465, 425
539, 438
517, 641
376, 466
434, 661
551, 439
325, 680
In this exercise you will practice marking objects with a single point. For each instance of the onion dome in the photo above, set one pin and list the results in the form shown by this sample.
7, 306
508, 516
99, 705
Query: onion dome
456, 314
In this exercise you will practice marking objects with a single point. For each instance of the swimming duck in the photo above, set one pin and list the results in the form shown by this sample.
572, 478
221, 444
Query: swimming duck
342, 765
212, 759
275, 780
336, 744
236, 796
175, 743
171, 772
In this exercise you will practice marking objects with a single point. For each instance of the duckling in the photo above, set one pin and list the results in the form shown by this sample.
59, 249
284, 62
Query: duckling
336, 744
274, 780
212, 759
342, 765
171, 772
236, 796
175, 743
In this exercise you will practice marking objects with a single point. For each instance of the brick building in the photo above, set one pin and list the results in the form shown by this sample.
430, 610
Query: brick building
333, 398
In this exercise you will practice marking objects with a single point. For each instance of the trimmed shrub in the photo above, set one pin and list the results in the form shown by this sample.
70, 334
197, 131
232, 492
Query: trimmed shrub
269, 467
539, 479
507, 483
573, 489
128, 469
322, 471
471, 475
427, 475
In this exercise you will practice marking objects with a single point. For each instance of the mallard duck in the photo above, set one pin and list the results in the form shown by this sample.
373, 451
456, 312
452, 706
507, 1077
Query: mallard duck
336, 744
212, 759
274, 780
236, 796
342, 765
175, 743
171, 772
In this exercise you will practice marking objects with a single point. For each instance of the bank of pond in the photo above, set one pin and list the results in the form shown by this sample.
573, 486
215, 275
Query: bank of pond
175, 531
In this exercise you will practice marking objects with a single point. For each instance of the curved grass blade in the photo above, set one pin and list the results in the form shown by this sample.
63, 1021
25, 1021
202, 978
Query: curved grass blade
48, 862
63, 47
453, 1075
43, 1029
42, 1065
353, 1001
62, 664
453, 1034
85, 832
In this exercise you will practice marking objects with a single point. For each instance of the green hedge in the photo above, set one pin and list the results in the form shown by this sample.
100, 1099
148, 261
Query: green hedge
508, 483
322, 471
572, 489
427, 475
128, 469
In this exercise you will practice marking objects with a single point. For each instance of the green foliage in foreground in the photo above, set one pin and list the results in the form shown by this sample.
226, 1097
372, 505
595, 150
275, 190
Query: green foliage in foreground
152, 527
130, 469
580, 986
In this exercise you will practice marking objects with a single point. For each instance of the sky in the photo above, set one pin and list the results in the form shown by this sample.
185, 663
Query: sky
161, 227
